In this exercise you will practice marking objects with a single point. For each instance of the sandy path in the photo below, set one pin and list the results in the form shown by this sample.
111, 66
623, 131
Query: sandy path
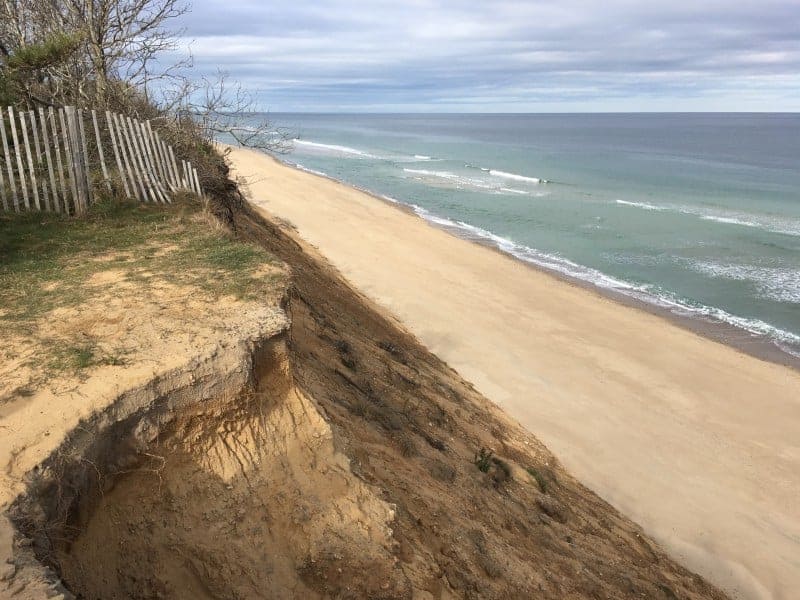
697, 442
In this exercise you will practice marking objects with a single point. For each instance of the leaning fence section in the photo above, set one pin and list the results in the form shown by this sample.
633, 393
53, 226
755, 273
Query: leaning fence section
56, 159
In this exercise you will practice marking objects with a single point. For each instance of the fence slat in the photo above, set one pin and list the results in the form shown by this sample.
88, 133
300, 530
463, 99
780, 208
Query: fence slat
3, 178
59, 164
3, 191
148, 130
175, 171
148, 163
147, 190
75, 151
73, 182
49, 158
37, 148
87, 174
117, 158
18, 152
172, 182
197, 187
130, 161
12, 184
162, 157
31, 168
100, 153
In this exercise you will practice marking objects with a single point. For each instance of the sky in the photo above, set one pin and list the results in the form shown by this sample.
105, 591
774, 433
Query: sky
502, 56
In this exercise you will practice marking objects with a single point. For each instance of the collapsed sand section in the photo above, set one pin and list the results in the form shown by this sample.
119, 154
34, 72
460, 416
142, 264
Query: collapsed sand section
233, 496
161, 335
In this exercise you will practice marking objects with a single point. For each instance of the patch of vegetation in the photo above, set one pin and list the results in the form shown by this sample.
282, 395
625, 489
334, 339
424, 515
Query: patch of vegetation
483, 460
544, 478
75, 358
49, 259
540, 479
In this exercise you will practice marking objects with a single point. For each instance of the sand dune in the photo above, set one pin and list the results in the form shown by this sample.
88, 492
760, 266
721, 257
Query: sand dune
693, 439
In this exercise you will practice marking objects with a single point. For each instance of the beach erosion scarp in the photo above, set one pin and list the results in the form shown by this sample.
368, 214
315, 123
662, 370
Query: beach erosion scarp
693, 439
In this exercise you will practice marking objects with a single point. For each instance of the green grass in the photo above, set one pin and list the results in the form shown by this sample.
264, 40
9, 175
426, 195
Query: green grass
46, 260
75, 358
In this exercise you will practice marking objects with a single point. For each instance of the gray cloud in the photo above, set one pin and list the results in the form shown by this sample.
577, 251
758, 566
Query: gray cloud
504, 55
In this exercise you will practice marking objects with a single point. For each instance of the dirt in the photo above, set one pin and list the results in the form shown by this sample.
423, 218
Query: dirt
351, 463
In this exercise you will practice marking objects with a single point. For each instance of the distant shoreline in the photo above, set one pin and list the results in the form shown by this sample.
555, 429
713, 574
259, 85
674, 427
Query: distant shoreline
755, 345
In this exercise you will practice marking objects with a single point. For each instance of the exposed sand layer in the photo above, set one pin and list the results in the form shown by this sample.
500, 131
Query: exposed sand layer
692, 439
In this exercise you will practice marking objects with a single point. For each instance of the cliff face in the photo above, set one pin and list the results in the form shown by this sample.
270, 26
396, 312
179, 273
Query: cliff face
333, 457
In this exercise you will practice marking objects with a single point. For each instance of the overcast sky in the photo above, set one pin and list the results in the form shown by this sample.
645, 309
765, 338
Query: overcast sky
503, 56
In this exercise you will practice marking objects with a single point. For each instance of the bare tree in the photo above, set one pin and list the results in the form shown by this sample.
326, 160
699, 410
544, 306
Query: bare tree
225, 111
120, 38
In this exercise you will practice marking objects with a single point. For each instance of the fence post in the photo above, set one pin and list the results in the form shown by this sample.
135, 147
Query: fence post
46, 142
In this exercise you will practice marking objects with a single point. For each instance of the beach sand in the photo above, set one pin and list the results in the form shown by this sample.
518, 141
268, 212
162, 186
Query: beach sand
696, 441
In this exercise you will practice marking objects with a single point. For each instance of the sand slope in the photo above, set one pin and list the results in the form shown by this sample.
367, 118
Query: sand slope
694, 440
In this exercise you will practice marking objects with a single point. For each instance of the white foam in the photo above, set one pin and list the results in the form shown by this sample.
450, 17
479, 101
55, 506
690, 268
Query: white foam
771, 223
422, 157
514, 191
514, 176
785, 340
452, 179
333, 148
307, 170
729, 220
643, 205
780, 284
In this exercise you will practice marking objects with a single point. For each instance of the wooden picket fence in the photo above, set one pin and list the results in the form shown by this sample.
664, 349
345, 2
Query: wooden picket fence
49, 163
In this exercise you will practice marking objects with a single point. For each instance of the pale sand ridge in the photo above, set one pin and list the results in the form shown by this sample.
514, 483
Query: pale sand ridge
697, 442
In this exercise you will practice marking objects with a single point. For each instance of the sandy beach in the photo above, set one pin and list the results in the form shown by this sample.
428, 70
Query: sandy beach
694, 440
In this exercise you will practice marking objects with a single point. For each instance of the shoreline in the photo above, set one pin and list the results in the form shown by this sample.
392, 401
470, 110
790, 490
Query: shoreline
759, 346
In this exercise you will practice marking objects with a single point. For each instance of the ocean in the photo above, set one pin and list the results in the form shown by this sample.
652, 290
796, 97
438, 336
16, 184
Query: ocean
698, 214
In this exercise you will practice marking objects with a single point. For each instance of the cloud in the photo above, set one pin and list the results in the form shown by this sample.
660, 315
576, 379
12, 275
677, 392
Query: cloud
504, 55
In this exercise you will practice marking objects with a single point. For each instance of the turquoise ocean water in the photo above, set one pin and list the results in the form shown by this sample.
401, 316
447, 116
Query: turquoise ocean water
696, 213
